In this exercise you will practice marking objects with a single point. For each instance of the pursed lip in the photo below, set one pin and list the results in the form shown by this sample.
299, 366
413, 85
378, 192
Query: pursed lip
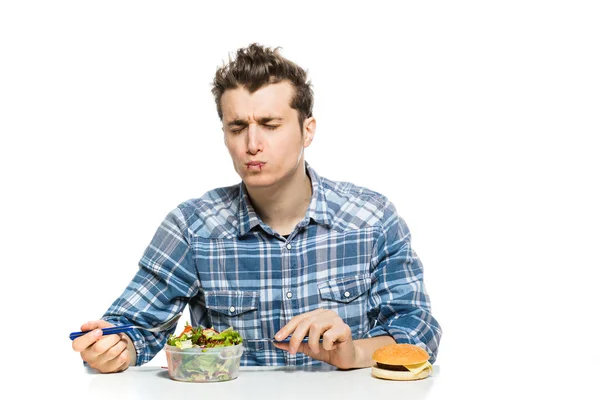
255, 163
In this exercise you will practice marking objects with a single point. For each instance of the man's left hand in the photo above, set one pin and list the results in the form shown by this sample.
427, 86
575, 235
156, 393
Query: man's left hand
337, 347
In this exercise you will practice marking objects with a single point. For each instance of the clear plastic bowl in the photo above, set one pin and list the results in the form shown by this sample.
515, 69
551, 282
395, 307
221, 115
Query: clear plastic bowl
216, 364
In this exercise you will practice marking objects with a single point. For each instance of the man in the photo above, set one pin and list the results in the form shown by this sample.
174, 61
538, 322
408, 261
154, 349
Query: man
285, 252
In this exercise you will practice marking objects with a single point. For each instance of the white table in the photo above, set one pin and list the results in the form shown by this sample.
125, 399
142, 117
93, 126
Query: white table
263, 383
455, 380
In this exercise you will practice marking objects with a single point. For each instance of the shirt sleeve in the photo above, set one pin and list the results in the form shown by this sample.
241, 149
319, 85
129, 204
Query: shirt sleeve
398, 301
161, 288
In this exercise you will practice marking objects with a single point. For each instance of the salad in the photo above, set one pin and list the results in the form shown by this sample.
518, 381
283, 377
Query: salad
202, 354
204, 337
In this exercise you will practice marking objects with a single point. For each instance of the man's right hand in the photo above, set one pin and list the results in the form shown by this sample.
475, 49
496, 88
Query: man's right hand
110, 353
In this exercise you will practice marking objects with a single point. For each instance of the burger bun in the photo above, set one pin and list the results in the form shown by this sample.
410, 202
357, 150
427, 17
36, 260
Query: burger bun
391, 361
398, 375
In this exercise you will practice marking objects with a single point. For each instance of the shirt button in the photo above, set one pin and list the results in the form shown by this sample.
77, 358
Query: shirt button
289, 295
288, 246
231, 309
346, 294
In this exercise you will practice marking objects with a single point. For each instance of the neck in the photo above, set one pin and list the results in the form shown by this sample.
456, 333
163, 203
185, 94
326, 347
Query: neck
283, 205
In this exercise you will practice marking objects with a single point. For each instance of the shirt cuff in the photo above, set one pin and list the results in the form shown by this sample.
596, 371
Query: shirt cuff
399, 335
136, 337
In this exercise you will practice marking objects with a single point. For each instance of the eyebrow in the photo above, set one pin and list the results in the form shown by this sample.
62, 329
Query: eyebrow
262, 120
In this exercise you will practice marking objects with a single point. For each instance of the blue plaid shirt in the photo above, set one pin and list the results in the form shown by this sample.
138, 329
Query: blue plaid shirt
351, 253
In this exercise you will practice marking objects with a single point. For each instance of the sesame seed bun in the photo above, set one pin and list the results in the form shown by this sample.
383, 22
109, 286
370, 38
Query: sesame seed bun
400, 354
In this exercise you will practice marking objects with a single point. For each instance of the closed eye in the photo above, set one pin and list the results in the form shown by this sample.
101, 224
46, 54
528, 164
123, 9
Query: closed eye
237, 130
271, 127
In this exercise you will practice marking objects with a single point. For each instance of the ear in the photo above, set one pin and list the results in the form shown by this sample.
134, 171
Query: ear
309, 128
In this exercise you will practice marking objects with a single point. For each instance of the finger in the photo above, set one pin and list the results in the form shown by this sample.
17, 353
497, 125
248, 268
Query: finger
88, 326
282, 346
300, 333
291, 326
314, 336
125, 358
95, 352
113, 352
303, 348
83, 342
102, 361
337, 334
118, 363
105, 344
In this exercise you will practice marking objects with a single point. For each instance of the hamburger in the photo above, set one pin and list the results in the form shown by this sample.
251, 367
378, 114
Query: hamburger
401, 362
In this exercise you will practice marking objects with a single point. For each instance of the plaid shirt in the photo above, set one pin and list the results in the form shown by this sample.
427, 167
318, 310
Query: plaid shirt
351, 253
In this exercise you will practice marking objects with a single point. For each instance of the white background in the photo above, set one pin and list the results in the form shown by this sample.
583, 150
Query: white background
477, 119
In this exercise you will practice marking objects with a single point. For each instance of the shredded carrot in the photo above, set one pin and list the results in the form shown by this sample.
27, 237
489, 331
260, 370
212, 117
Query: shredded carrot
188, 328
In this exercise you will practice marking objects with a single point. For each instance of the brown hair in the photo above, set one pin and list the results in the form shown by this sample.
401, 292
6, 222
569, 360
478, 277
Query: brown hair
256, 66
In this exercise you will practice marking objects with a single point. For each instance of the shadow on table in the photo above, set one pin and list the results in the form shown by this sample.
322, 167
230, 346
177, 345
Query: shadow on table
163, 373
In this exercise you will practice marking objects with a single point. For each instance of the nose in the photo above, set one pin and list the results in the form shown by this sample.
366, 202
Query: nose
255, 143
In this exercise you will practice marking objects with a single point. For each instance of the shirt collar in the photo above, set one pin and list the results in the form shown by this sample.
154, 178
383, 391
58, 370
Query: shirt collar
317, 208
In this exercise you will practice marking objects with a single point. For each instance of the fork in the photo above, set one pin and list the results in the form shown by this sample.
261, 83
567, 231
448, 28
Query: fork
125, 328
286, 340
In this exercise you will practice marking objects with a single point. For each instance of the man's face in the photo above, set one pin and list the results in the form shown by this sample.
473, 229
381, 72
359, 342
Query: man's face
263, 135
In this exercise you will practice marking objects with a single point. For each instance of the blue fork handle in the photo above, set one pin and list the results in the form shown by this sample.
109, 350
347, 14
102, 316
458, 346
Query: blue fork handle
105, 331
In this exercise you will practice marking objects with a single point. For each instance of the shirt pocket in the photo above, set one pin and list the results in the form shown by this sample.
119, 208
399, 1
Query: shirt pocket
348, 297
235, 308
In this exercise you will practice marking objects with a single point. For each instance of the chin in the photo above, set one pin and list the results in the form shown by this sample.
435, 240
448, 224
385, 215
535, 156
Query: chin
258, 180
